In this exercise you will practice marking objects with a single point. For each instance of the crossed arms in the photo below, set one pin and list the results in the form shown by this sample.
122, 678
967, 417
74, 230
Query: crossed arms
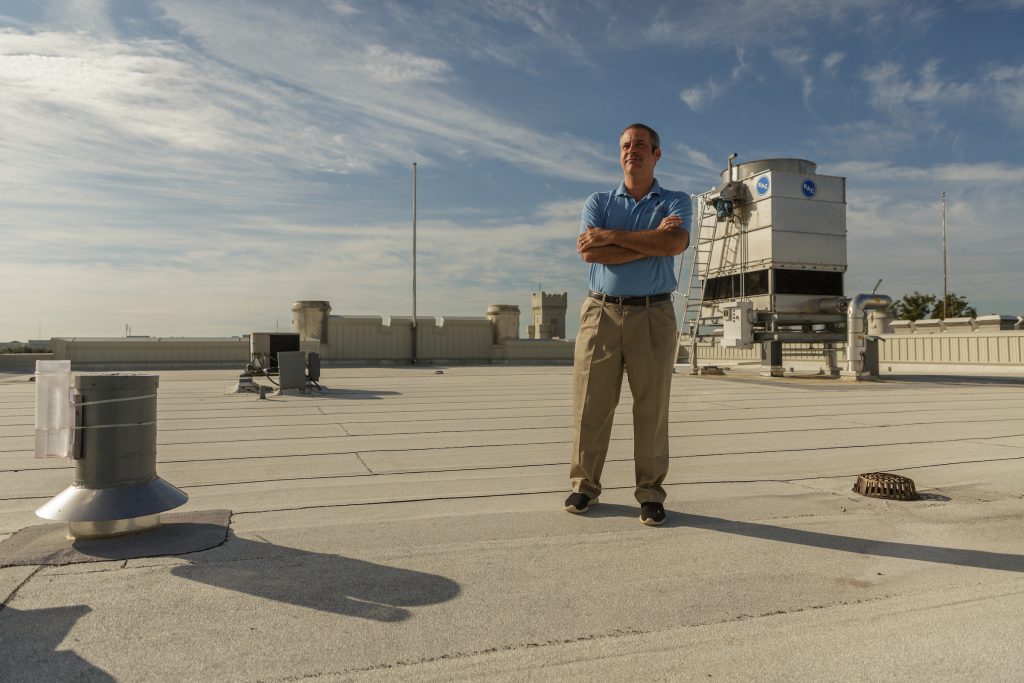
612, 247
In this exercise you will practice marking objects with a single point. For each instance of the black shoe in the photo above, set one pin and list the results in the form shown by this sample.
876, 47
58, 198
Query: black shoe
578, 503
652, 514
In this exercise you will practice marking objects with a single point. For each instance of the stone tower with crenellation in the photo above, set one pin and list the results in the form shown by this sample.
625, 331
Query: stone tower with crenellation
548, 316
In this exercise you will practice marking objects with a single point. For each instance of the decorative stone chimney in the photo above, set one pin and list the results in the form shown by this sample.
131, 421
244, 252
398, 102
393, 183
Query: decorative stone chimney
548, 315
504, 322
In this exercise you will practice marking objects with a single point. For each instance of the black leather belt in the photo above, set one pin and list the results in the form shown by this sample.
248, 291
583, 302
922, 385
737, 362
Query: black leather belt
631, 300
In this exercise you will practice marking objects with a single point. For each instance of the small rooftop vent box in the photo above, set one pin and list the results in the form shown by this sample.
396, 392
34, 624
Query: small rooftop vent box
264, 346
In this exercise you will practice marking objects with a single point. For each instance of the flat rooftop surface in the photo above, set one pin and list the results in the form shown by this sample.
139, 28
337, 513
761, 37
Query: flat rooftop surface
409, 525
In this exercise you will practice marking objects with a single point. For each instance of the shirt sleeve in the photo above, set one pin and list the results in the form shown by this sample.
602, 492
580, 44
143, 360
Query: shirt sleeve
592, 213
682, 207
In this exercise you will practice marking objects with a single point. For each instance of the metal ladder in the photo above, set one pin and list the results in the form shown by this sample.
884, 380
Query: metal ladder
700, 265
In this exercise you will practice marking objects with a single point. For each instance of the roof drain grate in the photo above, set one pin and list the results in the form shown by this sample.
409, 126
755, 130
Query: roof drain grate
885, 485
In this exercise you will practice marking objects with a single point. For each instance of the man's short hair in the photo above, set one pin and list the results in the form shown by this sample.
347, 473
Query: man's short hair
655, 140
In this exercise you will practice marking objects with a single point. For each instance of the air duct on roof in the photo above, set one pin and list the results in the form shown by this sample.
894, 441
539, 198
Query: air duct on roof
116, 488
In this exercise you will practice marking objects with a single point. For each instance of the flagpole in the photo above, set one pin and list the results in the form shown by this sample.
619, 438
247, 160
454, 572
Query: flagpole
945, 262
413, 332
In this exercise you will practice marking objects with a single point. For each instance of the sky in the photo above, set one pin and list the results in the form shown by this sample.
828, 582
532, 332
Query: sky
192, 167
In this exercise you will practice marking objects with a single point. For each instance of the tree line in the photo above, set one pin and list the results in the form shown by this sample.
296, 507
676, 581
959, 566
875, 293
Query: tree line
918, 306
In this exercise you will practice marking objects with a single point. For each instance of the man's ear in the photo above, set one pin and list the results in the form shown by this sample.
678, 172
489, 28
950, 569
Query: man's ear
657, 155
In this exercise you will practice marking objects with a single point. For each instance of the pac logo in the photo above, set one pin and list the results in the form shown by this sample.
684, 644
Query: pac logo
809, 188
763, 185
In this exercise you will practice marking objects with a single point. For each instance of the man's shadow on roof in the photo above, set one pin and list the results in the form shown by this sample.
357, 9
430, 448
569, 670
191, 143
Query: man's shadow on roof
850, 544
330, 583
30, 640
953, 379
860, 546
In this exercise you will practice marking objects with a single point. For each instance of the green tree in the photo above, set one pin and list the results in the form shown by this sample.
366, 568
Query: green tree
956, 307
914, 306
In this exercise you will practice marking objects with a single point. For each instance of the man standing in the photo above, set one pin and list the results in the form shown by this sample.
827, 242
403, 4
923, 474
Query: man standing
629, 237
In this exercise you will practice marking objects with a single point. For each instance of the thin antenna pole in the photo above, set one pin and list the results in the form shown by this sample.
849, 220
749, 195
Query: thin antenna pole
945, 261
413, 338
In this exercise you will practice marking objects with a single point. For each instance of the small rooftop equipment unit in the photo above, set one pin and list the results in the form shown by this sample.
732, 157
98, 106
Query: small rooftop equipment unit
278, 354
768, 262
264, 347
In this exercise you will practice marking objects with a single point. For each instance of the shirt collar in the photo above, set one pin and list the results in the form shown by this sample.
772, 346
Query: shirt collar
655, 190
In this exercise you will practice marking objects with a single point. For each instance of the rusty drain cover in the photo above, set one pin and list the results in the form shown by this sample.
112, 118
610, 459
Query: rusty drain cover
885, 485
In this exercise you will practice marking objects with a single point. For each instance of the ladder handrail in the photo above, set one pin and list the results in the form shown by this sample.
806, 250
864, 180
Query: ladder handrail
707, 232
703, 238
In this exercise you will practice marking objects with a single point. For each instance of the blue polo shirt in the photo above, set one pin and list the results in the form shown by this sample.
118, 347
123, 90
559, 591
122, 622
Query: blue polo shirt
617, 210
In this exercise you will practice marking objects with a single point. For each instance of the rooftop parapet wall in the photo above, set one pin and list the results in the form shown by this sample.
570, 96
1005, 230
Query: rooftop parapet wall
534, 350
465, 339
995, 349
373, 338
354, 339
21, 363
956, 351
983, 323
101, 350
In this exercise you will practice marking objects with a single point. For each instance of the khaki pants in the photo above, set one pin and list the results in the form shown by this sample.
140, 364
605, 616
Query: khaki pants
640, 340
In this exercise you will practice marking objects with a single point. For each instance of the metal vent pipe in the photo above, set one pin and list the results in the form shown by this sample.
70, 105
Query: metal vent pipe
116, 489
856, 329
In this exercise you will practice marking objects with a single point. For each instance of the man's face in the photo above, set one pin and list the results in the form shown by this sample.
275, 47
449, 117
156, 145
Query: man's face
635, 152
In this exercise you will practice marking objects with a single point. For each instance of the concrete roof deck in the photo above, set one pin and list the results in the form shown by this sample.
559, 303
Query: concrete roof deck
408, 525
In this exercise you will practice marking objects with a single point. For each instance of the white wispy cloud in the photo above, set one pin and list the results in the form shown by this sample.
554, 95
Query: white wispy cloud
344, 9
893, 93
697, 157
699, 96
148, 173
989, 174
389, 66
338, 101
918, 101
915, 108
793, 57
785, 30
899, 238
795, 60
258, 271
522, 34
761, 24
830, 61
88, 16
896, 235
327, 59
1007, 86
86, 117
994, 5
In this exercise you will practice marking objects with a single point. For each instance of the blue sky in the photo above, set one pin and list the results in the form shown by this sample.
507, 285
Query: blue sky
191, 167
